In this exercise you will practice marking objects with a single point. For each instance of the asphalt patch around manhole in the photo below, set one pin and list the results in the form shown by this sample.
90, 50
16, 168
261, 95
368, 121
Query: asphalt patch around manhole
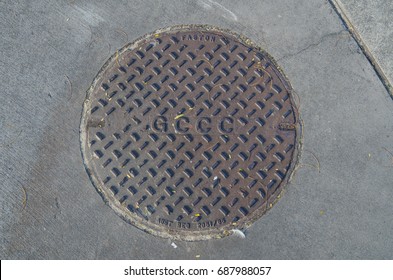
190, 132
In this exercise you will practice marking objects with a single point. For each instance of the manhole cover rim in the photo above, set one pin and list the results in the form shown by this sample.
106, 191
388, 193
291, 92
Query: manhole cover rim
178, 234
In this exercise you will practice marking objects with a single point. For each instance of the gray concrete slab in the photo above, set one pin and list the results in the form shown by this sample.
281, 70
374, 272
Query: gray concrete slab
50, 53
372, 21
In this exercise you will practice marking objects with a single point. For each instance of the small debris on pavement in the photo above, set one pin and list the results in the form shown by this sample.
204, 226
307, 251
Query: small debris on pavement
239, 233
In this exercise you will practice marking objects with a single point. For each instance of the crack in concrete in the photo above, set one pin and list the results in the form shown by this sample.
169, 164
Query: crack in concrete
309, 46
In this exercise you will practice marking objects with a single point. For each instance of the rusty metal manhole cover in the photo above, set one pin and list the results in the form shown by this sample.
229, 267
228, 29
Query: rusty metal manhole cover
190, 132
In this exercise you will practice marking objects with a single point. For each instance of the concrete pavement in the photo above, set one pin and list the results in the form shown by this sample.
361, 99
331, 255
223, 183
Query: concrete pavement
337, 207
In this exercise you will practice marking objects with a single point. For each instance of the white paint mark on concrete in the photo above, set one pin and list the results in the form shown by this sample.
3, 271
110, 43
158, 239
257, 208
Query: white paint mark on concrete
209, 4
88, 16
205, 5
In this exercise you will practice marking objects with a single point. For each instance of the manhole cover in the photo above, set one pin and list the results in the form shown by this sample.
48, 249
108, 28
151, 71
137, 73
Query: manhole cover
190, 132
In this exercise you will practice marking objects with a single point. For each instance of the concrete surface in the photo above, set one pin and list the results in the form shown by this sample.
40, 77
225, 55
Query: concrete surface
50, 53
373, 20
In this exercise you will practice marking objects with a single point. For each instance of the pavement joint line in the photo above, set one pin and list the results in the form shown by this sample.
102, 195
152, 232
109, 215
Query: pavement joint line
338, 7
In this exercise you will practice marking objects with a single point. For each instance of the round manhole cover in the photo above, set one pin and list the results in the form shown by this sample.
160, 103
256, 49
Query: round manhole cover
190, 132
